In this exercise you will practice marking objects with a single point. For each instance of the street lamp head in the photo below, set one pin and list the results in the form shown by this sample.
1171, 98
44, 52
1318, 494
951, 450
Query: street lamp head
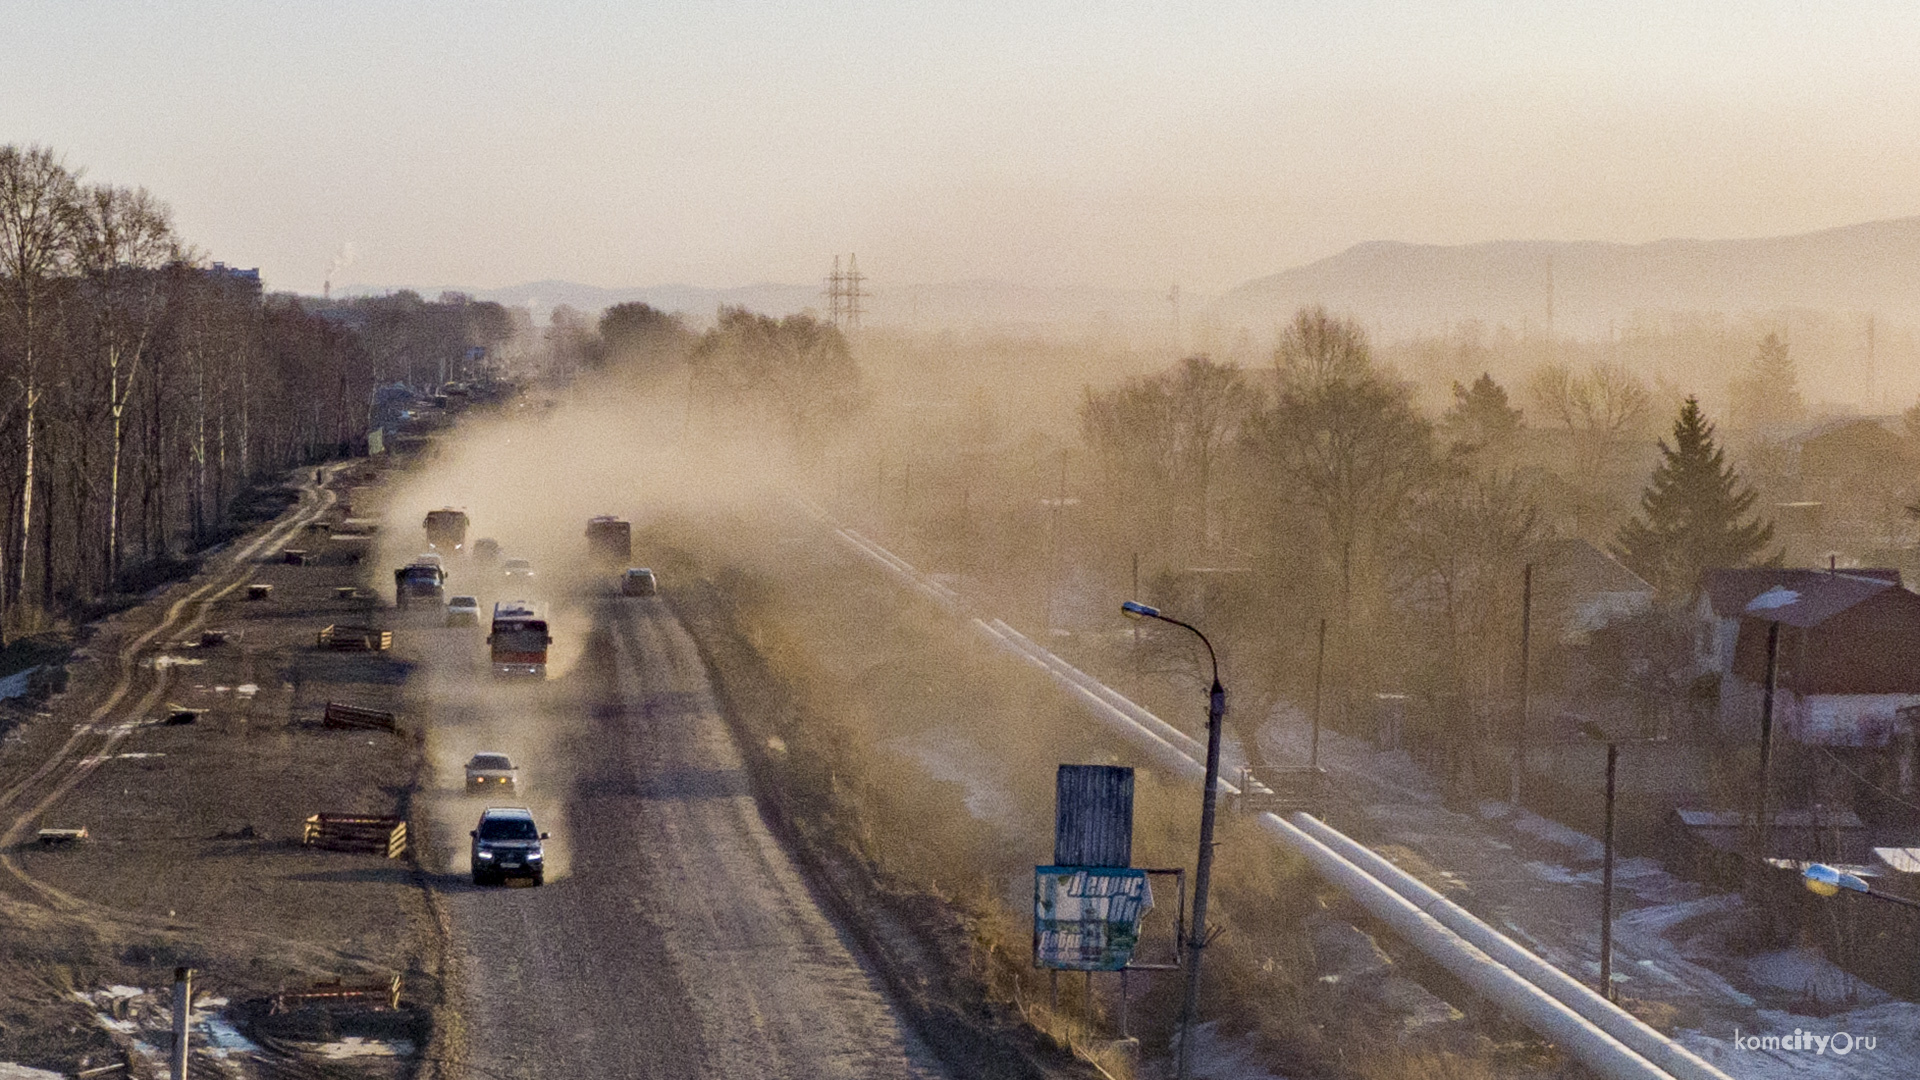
1593, 731
1826, 881
1134, 610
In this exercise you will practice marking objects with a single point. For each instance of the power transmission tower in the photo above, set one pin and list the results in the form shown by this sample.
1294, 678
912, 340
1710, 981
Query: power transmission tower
836, 286
1173, 297
1873, 396
852, 293
844, 294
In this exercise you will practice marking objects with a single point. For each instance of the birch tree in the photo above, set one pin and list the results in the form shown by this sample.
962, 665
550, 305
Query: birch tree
38, 212
125, 237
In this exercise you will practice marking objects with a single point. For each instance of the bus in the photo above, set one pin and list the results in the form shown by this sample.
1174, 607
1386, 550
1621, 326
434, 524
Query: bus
519, 640
446, 529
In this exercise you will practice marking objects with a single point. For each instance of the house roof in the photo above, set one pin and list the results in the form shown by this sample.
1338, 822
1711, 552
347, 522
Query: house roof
1580, 568
1813, 602
1856, 426
1816, 594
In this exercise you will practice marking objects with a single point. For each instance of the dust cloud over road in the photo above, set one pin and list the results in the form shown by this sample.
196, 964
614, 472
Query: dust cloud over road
674, 937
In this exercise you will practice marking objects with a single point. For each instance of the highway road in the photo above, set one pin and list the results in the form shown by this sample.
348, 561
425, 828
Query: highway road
674, 937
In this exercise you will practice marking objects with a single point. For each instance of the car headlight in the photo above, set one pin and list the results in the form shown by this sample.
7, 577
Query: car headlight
483, 854
533, 856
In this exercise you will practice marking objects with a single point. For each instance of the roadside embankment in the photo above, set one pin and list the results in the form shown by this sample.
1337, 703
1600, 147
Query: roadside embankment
926, 758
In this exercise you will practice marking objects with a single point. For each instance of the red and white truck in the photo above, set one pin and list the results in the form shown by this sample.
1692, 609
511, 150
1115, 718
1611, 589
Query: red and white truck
519, 640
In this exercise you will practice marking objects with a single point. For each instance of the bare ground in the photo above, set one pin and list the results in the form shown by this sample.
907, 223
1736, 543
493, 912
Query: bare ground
193, 856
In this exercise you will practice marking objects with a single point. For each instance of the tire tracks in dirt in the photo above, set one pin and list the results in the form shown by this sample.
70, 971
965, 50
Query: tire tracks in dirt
94, 739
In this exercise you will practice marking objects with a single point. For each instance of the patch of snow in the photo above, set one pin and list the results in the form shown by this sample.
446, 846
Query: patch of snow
1893, 1027
223, 1038
1553, 832
945, 756
1663, 917
353, 1046
1560, 875
247, 689
1776, 597
1807, 971
162, 662
123, 1027
10, 1071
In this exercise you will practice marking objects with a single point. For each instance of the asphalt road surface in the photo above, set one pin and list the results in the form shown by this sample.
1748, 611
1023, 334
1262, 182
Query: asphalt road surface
674, 936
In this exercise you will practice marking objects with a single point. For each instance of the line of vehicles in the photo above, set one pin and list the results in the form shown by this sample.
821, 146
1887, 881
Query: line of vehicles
506, 843
518, 631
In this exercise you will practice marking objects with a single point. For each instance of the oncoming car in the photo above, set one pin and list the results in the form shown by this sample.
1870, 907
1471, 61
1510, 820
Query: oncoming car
638, 581
507, 844
490, 771
463, 611
517, 569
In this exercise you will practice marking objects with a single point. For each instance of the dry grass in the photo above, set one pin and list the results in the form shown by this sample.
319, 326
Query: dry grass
859, 672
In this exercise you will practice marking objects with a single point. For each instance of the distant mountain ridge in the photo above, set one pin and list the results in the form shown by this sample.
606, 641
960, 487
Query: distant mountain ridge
1581, 286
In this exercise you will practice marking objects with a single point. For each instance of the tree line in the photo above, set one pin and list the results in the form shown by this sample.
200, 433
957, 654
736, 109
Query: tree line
145, 392
1322, 479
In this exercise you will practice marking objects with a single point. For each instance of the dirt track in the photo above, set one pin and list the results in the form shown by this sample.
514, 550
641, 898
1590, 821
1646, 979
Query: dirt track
674, 937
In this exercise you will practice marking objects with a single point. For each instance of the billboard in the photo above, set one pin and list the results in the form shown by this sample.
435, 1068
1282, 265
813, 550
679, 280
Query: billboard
1087, 918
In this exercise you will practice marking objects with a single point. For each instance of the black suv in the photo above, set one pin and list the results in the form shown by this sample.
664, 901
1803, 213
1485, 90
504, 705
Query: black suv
507, 845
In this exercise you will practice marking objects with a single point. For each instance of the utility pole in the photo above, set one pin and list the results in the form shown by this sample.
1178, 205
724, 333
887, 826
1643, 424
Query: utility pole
1136, 626
182, 1009
1319, 670
1606, 883
1054, 543
1762, 818
1514, 791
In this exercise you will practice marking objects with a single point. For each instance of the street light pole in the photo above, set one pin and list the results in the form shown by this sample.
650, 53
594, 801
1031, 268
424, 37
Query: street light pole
1516, 780
1203, 870
1606, 883
1319, 669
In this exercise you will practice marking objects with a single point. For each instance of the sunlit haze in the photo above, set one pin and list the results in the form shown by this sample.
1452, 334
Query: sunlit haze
483, 144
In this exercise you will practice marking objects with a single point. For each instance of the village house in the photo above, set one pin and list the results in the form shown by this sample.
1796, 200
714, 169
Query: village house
1846, 675
1725, 594
1579, 589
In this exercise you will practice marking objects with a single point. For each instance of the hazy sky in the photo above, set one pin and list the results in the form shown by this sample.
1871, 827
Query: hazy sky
486, 143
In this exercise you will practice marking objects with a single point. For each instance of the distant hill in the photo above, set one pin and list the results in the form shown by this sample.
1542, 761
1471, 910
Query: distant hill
952, 304
1400, 287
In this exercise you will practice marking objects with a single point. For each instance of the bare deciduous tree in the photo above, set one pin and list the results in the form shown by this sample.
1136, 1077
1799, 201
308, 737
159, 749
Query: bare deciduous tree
38, 212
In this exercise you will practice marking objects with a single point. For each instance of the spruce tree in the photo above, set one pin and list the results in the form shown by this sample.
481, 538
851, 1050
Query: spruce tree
1481, 417
1694, 513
